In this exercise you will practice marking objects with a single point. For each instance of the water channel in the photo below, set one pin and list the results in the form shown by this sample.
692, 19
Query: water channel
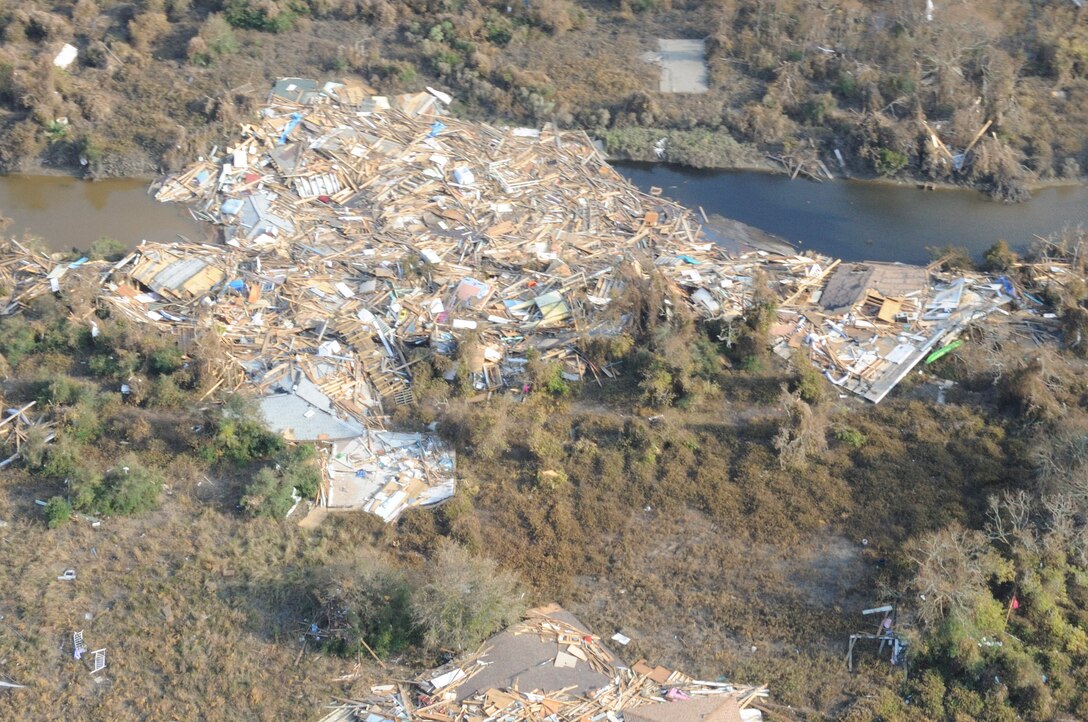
69, 213
855, 220
846, 219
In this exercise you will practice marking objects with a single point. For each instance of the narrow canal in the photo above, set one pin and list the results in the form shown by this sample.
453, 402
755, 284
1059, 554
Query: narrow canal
846, 219
856, 221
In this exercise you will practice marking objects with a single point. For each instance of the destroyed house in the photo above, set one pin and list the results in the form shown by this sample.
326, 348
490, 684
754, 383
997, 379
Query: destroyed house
704, 709
295, 90
550, 667
177, 276
551, 650
385, 472
850, 283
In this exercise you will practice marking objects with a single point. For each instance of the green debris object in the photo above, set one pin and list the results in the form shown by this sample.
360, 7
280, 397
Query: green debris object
943, 350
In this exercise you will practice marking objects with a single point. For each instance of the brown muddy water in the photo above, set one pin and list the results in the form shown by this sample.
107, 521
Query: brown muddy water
69, 213
846, 219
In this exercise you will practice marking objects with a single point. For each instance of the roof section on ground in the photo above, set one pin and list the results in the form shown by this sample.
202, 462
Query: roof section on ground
700, 709
850, 281
518, 658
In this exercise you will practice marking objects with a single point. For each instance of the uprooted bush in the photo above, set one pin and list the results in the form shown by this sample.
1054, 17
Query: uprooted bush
802, 435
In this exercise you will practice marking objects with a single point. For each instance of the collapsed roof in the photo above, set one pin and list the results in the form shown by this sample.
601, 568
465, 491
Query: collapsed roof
550, 667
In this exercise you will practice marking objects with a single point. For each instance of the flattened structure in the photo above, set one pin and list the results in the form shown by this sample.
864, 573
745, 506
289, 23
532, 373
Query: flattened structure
705, 709
384, 473
850, 281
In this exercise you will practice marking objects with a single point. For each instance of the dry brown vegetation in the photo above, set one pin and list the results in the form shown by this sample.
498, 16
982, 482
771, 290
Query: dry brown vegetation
160, 81
730, 514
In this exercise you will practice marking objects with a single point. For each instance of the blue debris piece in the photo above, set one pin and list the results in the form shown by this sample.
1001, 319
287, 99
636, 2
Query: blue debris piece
437, 128
296, 118
238, 285
77, 264
231, 206
688, 259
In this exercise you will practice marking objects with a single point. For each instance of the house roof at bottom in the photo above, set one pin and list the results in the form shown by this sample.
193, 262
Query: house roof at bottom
723, 708
528, 662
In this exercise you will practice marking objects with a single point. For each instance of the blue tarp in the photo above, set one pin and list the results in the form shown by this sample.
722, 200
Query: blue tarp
296, 118
437, 128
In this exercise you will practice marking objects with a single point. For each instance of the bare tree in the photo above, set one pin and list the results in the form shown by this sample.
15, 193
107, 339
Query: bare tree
802, 435
953, 568
1011, 521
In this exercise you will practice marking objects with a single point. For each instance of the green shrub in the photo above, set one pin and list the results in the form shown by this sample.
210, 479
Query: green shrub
464, 599
55, 131
271, 16
814, 111
125, 489
118, 364
57, 511
89, 149
268, 494
998, 257
888, 162
657, 385
164, 360
239, 435
301, 470
62, 391
17, 340
554, 383
355, 604
928, 692
850, 436
165, 393
60, 459
499, 29
215, 40
84, 420
810, 383
106, 249
271, 492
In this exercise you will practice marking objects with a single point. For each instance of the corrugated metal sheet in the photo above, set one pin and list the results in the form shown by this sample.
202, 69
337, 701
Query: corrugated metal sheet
325, 184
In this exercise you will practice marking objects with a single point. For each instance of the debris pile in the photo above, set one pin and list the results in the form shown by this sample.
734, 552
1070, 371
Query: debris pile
360, 235
639, 692
25, 275
16, 429
384, 472
391, 229
866, 325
